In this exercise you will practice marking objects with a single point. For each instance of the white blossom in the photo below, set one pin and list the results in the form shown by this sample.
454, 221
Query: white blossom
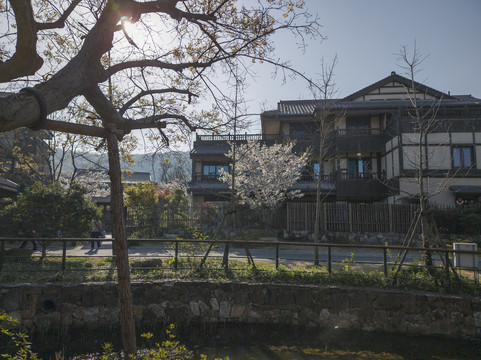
96, 183
264, 175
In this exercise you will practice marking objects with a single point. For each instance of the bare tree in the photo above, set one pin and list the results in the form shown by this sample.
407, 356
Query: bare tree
326, 119
130, 65
423, 121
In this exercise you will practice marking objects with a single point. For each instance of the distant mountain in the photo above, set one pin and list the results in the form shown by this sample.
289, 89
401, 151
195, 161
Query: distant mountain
162, 167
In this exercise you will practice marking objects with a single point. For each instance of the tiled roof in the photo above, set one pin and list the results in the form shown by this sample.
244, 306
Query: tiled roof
466, 189
298, 107
307, 107
459, 100
7, 184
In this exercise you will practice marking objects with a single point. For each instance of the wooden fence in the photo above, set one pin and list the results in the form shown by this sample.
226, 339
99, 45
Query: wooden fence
156, 221
295, 216
339, 217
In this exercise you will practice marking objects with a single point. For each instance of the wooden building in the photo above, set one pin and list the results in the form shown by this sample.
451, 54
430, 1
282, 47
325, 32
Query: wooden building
367, 147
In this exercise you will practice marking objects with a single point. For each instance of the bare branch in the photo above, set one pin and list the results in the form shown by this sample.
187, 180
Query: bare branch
151, 92
60, 22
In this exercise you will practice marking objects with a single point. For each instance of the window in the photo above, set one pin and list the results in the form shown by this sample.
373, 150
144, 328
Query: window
358, 122
316, 171
462, 156
214, 170
359, 168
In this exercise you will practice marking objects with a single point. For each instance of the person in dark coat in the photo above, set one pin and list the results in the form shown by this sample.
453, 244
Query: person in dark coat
95, 233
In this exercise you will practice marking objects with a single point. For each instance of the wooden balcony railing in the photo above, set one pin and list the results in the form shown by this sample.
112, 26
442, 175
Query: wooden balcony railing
366, 175
358, 132
314, 137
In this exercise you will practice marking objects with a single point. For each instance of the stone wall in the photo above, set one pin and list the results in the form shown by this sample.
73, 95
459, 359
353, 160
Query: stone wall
67, 307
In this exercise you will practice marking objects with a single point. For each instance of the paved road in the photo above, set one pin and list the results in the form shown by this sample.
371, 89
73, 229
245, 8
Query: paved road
290, 254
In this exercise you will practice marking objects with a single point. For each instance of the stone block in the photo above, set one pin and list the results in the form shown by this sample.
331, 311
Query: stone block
389, 301
336, 303
241, 296
324, 316
224, 309
194, 308
203, 306
302, 297
214, 304
477, 319
237, 310
221, 295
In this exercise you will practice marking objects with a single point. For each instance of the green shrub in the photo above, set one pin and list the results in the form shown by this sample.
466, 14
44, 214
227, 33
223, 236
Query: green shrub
14, 344
42, 210
459, 221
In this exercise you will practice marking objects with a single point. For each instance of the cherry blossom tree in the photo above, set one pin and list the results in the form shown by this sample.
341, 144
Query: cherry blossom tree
264, 175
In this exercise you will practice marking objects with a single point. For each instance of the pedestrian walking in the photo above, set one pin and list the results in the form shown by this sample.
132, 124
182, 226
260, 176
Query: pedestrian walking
95, 233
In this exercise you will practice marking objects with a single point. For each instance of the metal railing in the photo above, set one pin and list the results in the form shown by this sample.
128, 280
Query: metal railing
294, 252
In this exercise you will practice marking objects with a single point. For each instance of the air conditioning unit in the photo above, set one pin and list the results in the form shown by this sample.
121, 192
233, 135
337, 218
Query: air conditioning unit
465, 260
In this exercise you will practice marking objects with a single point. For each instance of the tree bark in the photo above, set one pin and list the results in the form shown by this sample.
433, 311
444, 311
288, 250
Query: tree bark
127, 323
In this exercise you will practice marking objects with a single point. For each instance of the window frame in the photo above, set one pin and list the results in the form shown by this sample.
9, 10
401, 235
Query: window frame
458, 153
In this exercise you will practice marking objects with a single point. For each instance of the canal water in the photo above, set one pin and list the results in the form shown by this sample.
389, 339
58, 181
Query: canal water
277, 343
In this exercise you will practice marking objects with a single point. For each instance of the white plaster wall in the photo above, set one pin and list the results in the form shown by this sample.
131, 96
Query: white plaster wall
439, 157
438, 187
395, 162
410, 138
271, 127
438, 138
411, 156
395, 142
388, 145
389, 172
462, 138
398, 88
477, 137
375, 122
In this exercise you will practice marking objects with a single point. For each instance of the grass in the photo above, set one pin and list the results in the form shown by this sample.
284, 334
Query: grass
348, 273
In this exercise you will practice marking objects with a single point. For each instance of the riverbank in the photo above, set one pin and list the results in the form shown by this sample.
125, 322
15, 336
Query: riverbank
66, 307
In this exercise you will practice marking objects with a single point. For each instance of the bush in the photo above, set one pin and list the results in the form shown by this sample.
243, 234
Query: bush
459, 221
42, 210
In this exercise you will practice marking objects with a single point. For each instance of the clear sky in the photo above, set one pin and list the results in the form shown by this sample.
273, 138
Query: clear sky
367, 34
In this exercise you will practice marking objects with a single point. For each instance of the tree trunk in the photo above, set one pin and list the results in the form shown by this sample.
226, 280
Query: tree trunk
127, 323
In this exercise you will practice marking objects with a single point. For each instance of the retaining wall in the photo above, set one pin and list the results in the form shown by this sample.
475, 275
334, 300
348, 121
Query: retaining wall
81, 306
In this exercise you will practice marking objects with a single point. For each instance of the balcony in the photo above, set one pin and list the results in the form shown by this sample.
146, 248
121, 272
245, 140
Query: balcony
207, 184
359, 186
362, 186
359, 140
346, 140
215, 145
